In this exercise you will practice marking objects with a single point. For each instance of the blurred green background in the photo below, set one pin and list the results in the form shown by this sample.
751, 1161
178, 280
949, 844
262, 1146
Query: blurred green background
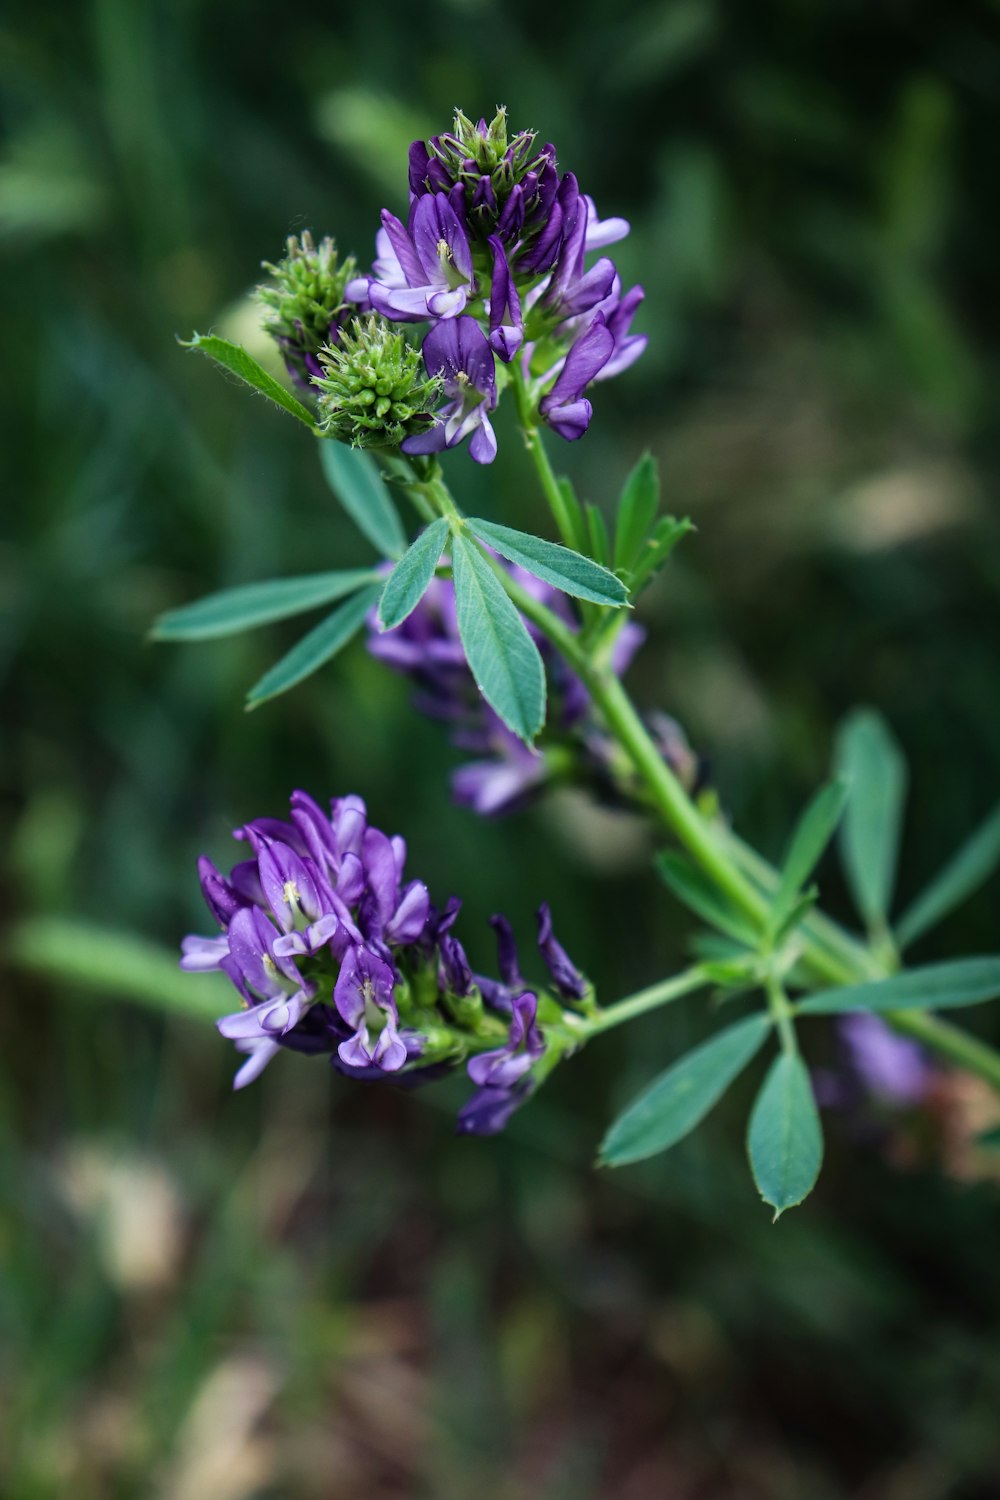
311, 1290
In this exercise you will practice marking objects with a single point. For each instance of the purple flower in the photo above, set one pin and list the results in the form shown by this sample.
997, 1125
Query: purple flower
426, 271
458, 351
333, 951
565, 975
525, 1044
891, 1067
564, 407
506, 320
489, 1109
363, 995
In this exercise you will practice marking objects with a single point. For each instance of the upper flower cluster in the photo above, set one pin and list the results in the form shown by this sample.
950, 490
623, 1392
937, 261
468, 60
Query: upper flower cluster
333, 951
495, 255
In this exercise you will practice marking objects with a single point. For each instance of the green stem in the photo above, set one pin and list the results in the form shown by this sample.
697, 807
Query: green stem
780, 1008
546, 474
641, 1002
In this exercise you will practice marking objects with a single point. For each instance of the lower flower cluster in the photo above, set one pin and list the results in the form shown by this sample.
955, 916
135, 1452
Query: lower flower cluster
333, 952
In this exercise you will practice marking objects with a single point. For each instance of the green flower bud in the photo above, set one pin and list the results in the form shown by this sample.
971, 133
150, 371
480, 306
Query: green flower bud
374, 391
305, 301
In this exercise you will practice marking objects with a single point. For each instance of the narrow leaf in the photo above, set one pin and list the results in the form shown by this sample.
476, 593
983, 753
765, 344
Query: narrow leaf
231, 357
115, 965
256, 604
636, 510
563, 568
872, 764
947, 986
354, 478
964, 873
785, 1139
681, 1097
315, 649
502, 657
410, 578
703, 898
597, 535
813, 832
657, 547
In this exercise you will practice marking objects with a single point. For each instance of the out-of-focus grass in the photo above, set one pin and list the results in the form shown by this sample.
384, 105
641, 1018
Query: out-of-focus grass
313, 1290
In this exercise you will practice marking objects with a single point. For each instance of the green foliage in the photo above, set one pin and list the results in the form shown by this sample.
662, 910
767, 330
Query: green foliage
657, 547
703, 897
410, 578
560, 566
945, 986
231, 357
813, 832
502, 657
355, 480
637, 509
785, 1138
872, 764
315, 649
78, 955
253, 604
304, 296
970, 867
681, 1097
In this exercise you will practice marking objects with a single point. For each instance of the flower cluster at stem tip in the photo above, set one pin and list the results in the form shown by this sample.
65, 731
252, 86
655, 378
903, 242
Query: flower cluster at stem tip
494, 258
333, 952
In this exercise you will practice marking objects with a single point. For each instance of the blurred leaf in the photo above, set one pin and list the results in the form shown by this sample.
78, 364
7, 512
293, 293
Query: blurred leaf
354, 478
315, 649
667, 532
636, 510
812, 834
597, 535
410, 578
681, 1097
785, 1139
502, 657
968, 869
703, 897
871, 763
560, 566
231, 357
117, 965
255, 604
963, 981
374, 130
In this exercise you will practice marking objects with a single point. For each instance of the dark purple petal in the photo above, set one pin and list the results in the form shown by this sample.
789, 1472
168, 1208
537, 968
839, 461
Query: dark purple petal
565, 975
488, 1111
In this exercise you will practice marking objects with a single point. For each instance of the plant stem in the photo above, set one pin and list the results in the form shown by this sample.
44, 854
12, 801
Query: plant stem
781, 1010
642, 1001
546, 474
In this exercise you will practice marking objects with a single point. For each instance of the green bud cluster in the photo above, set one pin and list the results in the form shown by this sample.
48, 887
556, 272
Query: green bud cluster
305, 297
374, 391
487, 148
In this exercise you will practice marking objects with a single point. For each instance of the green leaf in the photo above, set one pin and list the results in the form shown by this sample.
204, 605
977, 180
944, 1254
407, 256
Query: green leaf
231, 357
872, 764
947, 986
354, 478
502, 657
703, 898
256, 604
115, 965
654, 552
410, 578
597, 535
681, 1097
636, 510
965, 872
813, 832
563, 568
785, 1139
315, 649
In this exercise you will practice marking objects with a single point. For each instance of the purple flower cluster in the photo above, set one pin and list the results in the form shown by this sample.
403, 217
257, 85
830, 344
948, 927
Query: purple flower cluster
494, 255
332, 951
505, 773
